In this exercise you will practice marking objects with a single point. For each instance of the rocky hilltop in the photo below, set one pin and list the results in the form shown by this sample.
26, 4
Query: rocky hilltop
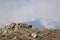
19, 31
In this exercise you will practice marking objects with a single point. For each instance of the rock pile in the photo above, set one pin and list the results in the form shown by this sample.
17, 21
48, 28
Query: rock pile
14, 27
19, 31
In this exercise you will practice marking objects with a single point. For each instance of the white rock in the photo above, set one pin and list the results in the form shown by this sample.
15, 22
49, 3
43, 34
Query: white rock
16, 28
5, 32
34, 35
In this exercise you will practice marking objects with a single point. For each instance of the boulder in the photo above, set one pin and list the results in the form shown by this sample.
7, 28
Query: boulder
29, 26
16, 28
12, 25
34, 35
5, 32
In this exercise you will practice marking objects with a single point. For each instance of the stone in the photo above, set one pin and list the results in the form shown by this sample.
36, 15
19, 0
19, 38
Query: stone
34, 35
15, 38
16, 28
10, 31
5, 32
12, 25
33, 28
29, 26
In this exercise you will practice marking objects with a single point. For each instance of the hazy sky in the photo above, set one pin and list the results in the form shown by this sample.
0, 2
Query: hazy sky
27, 10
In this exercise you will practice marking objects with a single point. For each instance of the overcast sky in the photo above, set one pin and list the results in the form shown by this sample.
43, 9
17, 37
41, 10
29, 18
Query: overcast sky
28, 10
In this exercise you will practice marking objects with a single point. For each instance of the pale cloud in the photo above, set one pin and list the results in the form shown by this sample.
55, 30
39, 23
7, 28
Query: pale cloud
28, 10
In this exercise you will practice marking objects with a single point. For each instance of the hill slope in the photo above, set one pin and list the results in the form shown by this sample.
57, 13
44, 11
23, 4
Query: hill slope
19, 31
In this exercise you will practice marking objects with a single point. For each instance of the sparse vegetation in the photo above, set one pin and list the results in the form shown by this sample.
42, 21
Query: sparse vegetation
28, 32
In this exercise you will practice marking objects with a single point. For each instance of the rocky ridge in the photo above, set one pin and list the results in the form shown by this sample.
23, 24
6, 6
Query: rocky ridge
19, 31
